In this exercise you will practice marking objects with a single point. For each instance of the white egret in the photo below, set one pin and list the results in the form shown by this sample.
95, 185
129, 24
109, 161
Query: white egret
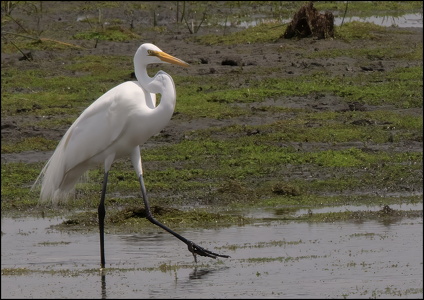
112, 127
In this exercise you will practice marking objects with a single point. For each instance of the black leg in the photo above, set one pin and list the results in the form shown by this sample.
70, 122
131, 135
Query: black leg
102, 213
192, 247
104, 296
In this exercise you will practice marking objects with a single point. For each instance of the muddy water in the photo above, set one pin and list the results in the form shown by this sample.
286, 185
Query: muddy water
407, 20
404, 21
272, 259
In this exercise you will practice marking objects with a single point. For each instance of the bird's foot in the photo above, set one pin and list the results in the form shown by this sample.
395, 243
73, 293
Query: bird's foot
196, 249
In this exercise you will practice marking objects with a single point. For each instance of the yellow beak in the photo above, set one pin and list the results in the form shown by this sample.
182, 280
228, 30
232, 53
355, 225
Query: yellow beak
169, 58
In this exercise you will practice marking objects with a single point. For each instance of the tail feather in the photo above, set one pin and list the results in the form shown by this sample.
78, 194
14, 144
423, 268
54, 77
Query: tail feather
51, 178
58, 183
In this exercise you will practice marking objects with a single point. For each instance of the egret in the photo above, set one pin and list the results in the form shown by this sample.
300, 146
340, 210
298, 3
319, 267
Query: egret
112, 127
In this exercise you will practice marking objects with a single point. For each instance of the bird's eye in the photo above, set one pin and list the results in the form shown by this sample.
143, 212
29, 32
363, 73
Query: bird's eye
150, 52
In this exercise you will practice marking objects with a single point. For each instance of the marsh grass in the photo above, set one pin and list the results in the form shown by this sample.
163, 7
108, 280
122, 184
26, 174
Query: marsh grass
262, 33
114, 33
237, 166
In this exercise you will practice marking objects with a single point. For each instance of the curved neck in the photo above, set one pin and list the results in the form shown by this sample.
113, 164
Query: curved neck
140, 70
161, 83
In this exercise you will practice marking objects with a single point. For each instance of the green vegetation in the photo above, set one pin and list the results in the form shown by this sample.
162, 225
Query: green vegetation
262, 33
113, 33
41, 97
332, 152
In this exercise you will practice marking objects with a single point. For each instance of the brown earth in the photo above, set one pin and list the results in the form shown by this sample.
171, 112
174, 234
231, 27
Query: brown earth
206, 61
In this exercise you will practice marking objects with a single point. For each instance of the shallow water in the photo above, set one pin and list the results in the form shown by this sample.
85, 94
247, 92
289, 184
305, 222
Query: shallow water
268, 260
407, 20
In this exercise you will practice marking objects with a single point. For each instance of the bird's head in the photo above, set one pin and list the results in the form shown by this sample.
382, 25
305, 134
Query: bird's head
151, 54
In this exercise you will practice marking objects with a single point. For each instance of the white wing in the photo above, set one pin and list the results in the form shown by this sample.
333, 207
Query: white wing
93, 137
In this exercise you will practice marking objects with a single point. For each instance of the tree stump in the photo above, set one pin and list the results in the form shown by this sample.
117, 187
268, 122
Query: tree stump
309, 22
